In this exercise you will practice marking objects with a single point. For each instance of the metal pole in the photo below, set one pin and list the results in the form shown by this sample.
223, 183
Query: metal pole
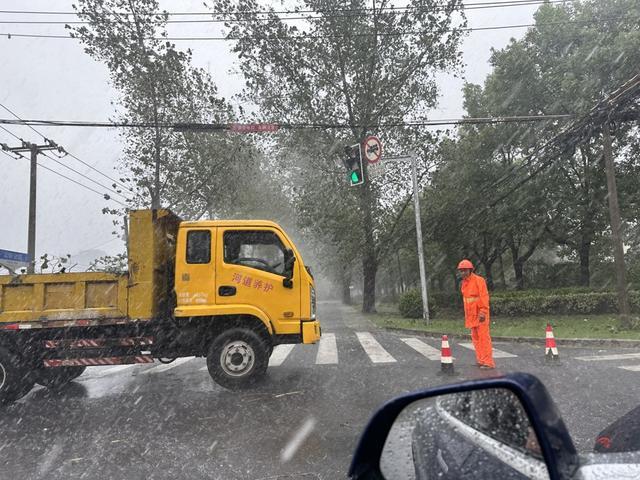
31, 239
616, 229
423, 275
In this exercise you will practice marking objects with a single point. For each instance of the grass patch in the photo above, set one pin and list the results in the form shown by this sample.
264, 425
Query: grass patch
564, 326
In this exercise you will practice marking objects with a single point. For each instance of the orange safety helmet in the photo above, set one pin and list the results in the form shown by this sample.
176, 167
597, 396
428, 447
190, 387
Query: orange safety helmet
465, 265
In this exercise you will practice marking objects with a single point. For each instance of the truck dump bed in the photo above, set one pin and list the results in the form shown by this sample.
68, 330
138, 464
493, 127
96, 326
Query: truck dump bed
62, 296
94, 298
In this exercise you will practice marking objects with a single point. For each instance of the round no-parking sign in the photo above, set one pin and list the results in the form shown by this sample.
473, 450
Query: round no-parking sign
372, 149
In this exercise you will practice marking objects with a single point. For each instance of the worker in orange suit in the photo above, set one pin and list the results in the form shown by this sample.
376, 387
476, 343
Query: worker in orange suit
475, 297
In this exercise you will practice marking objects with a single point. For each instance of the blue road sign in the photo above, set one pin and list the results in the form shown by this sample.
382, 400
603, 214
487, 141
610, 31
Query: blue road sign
14, 256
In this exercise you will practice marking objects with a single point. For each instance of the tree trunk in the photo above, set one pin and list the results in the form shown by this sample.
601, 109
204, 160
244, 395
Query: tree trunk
518, 269
369, 270
401, 276
503, 280
584, 253
488, 274
346, 290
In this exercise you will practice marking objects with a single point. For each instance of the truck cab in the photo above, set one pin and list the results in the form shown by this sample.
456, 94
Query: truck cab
247, 268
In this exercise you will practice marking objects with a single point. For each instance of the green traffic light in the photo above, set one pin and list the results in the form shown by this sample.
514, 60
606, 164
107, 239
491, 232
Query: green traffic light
355, 177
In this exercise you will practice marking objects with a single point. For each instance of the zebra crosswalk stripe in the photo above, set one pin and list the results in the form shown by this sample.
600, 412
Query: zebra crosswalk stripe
327, 350
98, 372
279, 354
631, 368
373, 349
496, 353
167, 366
427, 350
619, 356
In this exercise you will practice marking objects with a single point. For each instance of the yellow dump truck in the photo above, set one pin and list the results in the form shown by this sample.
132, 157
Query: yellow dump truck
225, 290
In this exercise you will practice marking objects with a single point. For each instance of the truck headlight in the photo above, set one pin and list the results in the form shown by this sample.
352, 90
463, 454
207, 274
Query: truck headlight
312, 296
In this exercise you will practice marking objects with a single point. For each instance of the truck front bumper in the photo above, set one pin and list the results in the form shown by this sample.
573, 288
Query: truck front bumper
310, 331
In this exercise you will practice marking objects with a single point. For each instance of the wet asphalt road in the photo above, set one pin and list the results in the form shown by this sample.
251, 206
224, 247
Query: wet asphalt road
177, 424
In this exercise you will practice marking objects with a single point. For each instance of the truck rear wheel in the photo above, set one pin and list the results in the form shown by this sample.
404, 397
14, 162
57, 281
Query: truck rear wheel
238, 359
15, 380
57, 377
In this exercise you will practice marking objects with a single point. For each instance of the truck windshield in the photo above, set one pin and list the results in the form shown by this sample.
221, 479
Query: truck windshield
255, 249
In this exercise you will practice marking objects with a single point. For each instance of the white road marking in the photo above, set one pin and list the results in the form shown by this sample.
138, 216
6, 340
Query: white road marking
419, 346
376, 353
619, 356
327, 350
496, 353
632, 368
280, 353
167, 366
98, 372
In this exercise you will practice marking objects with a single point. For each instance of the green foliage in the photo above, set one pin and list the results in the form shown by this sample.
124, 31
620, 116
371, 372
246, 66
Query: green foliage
110, 264
569, 303
192, 173
410, 305
356, 70
561, 301
54, 264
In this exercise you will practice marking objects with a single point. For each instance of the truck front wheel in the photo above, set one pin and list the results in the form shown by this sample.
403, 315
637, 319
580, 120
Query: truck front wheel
57, 377
238, 359
15, 380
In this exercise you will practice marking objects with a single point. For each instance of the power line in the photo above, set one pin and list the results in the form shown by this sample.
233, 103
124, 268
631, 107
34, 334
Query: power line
343, 13
288, 126
103, 195
16, 115
22, 122
320, 37
473, 5
101, 173
10, 133
84, 176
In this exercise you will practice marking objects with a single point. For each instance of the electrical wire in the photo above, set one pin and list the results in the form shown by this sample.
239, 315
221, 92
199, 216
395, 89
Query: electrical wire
83, 175
288, 126
103, 195
120, 184
22, 122
473, 5
321, 37
11, 133
344, 13
16, 115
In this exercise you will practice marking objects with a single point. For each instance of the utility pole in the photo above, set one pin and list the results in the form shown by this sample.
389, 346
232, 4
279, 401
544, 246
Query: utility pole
33, 150
616, 229
423, 274
416, 202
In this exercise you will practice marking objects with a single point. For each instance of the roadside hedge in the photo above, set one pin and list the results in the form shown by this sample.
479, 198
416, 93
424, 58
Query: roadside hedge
410, 305
526, 302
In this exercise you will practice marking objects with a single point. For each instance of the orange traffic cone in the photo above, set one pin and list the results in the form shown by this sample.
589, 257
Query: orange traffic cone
550, 351
446, 360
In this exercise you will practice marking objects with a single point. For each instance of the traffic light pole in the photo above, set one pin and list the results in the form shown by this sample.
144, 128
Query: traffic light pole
423, 273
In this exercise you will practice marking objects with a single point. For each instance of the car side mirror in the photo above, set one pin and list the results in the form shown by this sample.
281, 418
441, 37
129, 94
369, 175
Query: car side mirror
502, 427
289, 262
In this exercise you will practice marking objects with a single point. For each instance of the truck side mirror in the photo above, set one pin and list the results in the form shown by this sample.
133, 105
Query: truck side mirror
289, 261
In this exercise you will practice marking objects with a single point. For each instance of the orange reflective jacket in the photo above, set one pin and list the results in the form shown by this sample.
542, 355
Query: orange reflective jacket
475, 297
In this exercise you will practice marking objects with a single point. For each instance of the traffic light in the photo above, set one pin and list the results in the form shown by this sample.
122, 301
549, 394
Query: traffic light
353, 162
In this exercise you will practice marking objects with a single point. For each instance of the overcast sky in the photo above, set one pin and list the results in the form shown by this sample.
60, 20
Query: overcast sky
55, 79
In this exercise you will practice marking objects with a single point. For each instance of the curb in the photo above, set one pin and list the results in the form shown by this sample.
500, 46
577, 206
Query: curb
605, 342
